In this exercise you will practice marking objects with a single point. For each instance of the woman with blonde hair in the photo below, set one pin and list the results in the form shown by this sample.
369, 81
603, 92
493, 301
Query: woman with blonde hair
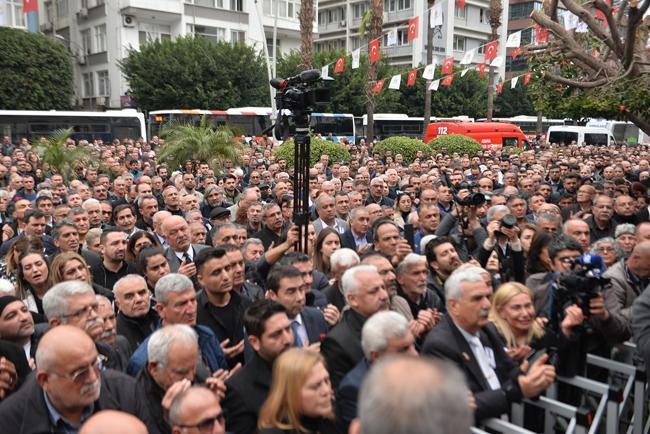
300, 399
72, 266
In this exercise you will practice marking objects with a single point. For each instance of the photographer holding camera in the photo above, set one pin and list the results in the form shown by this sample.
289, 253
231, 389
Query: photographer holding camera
462, 224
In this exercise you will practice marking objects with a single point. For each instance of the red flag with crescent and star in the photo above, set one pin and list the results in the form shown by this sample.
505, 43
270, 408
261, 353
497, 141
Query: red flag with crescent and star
447, 66
516, 52
481, 70
460, 4
447, 80
499, 88
413, 73
541, 34
30, 6
373, 50
378, 86
340, 65
413, 28
491, 50
527, 78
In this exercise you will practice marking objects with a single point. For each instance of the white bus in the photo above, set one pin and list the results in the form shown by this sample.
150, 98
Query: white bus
400, 124
622, 131
528, 124
339, 125
108, 125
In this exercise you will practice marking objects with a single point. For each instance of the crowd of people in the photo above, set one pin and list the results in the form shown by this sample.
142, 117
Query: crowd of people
138, 297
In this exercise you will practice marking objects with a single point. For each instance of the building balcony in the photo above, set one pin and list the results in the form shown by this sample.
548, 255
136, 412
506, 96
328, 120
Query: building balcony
164, 11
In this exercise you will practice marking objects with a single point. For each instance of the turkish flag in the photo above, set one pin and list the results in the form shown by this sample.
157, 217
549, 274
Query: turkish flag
373, 50
447, 66
340, 65
499, 88
516, 52
447, 80
527, 78
491, 50
411, 77
481, 70
413, 29
378, 86
541, 34
460, 4
30, 6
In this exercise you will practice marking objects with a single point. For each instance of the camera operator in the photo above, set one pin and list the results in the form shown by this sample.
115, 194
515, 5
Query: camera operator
503, 235
462, 224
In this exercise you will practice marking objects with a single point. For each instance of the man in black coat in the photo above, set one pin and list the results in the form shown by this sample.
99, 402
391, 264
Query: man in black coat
68, 388
136, 318
463, 338
358, 236
269, 333
366, 295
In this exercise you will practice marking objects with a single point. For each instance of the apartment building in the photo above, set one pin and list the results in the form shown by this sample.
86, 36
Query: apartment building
463, 29
101, 32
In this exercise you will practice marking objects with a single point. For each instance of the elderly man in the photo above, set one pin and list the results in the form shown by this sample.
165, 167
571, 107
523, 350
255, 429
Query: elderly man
366, 294
358, 236
340, 261
69, 386
176, 304
424, 303
461, 337
198, 409
377, 194
384, 333
112, 421
326, 210
181, 251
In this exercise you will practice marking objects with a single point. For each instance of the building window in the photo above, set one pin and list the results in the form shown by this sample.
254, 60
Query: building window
459, 43
527, 36
287, 9
482, 18
86, 42
100, 38
358, 9
521, 11
62, 8
481, 49
89, 85
214, 34
104, 88
149, 32
237, 37
460, 13
237, 5
16, 17
390, 5
270, 46
403, 5
207, 3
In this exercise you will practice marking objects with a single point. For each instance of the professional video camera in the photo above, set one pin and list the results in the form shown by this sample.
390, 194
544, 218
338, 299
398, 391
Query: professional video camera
296, 99
578, 286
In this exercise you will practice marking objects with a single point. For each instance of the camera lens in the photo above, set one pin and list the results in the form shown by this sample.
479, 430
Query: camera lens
508, 221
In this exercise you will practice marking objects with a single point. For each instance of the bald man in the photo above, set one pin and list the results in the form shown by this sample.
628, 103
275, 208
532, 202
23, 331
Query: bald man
111, 422
629, 278
197, 405
69, 386
181, 251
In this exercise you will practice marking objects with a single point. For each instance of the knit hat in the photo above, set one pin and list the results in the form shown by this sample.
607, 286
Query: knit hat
625, 228
6, 301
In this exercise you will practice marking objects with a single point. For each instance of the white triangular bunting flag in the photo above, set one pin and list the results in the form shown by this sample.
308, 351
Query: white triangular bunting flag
570, 20
434, 85
514, 40
468, 57
582, 27
429, 71
464, 71
356, 55
392, 38
395, 82
435, 19
513, 84
497, 62
325, 71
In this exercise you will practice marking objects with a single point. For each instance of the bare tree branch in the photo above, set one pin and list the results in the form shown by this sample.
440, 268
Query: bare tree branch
575, 83
594, 26
611, 23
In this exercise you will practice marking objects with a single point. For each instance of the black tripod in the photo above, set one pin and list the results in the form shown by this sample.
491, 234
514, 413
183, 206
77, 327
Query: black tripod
301, 153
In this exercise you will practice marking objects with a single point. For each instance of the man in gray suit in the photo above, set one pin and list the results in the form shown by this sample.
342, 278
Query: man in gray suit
326, 209
180, 253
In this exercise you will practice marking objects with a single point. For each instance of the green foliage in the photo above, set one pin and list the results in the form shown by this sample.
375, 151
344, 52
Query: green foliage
193, 72
514, 102
184, 141
456, 144
335, 151
405, 146
36, 72
61, 158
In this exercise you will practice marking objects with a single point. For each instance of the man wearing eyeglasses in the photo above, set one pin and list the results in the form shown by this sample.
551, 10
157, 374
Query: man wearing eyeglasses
68, 388
197, 410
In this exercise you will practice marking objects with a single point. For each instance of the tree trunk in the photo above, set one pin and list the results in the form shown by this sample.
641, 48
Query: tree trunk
490, 94
306, 17
495, 22
640, 121
376, 24
427, 91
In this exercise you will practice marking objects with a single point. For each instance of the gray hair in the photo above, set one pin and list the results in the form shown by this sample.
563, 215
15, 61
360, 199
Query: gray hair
353, 213
393, 401
7, 288
173, 282
162, 340
410, 260
495, 209
55, 300
125, 281
92, 234
320, 198
344, 258
350, 282
453, 288
250, 241
89, 202
549, 217
607, 240
144, 197
379, 329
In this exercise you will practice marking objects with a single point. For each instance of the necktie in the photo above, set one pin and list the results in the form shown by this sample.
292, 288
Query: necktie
484, 364
296, 337
186, 258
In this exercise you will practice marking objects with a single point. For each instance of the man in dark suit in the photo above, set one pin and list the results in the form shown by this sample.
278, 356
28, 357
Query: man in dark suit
69, 386
340, 261
366, 294
269, 333
180, 253
285, 285
463, 338
34, 223
358, 236
384, 333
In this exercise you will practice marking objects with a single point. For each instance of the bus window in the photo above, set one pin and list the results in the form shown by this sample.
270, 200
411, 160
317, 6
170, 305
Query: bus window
565, 137
595, 139
511, 141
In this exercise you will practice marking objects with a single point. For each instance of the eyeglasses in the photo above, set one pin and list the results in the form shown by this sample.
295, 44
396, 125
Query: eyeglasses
84, 311
568, 259
80, 376
605, 249
206, 425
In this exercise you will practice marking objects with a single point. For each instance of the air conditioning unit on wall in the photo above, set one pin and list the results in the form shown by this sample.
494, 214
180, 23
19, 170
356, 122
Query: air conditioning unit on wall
128, 20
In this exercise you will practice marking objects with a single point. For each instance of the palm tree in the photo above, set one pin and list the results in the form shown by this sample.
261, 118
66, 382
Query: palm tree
62, 159
496, 9
373, 20
306, 18
185, 141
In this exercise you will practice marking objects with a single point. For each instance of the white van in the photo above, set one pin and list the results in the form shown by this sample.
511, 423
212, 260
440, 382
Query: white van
581, 135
